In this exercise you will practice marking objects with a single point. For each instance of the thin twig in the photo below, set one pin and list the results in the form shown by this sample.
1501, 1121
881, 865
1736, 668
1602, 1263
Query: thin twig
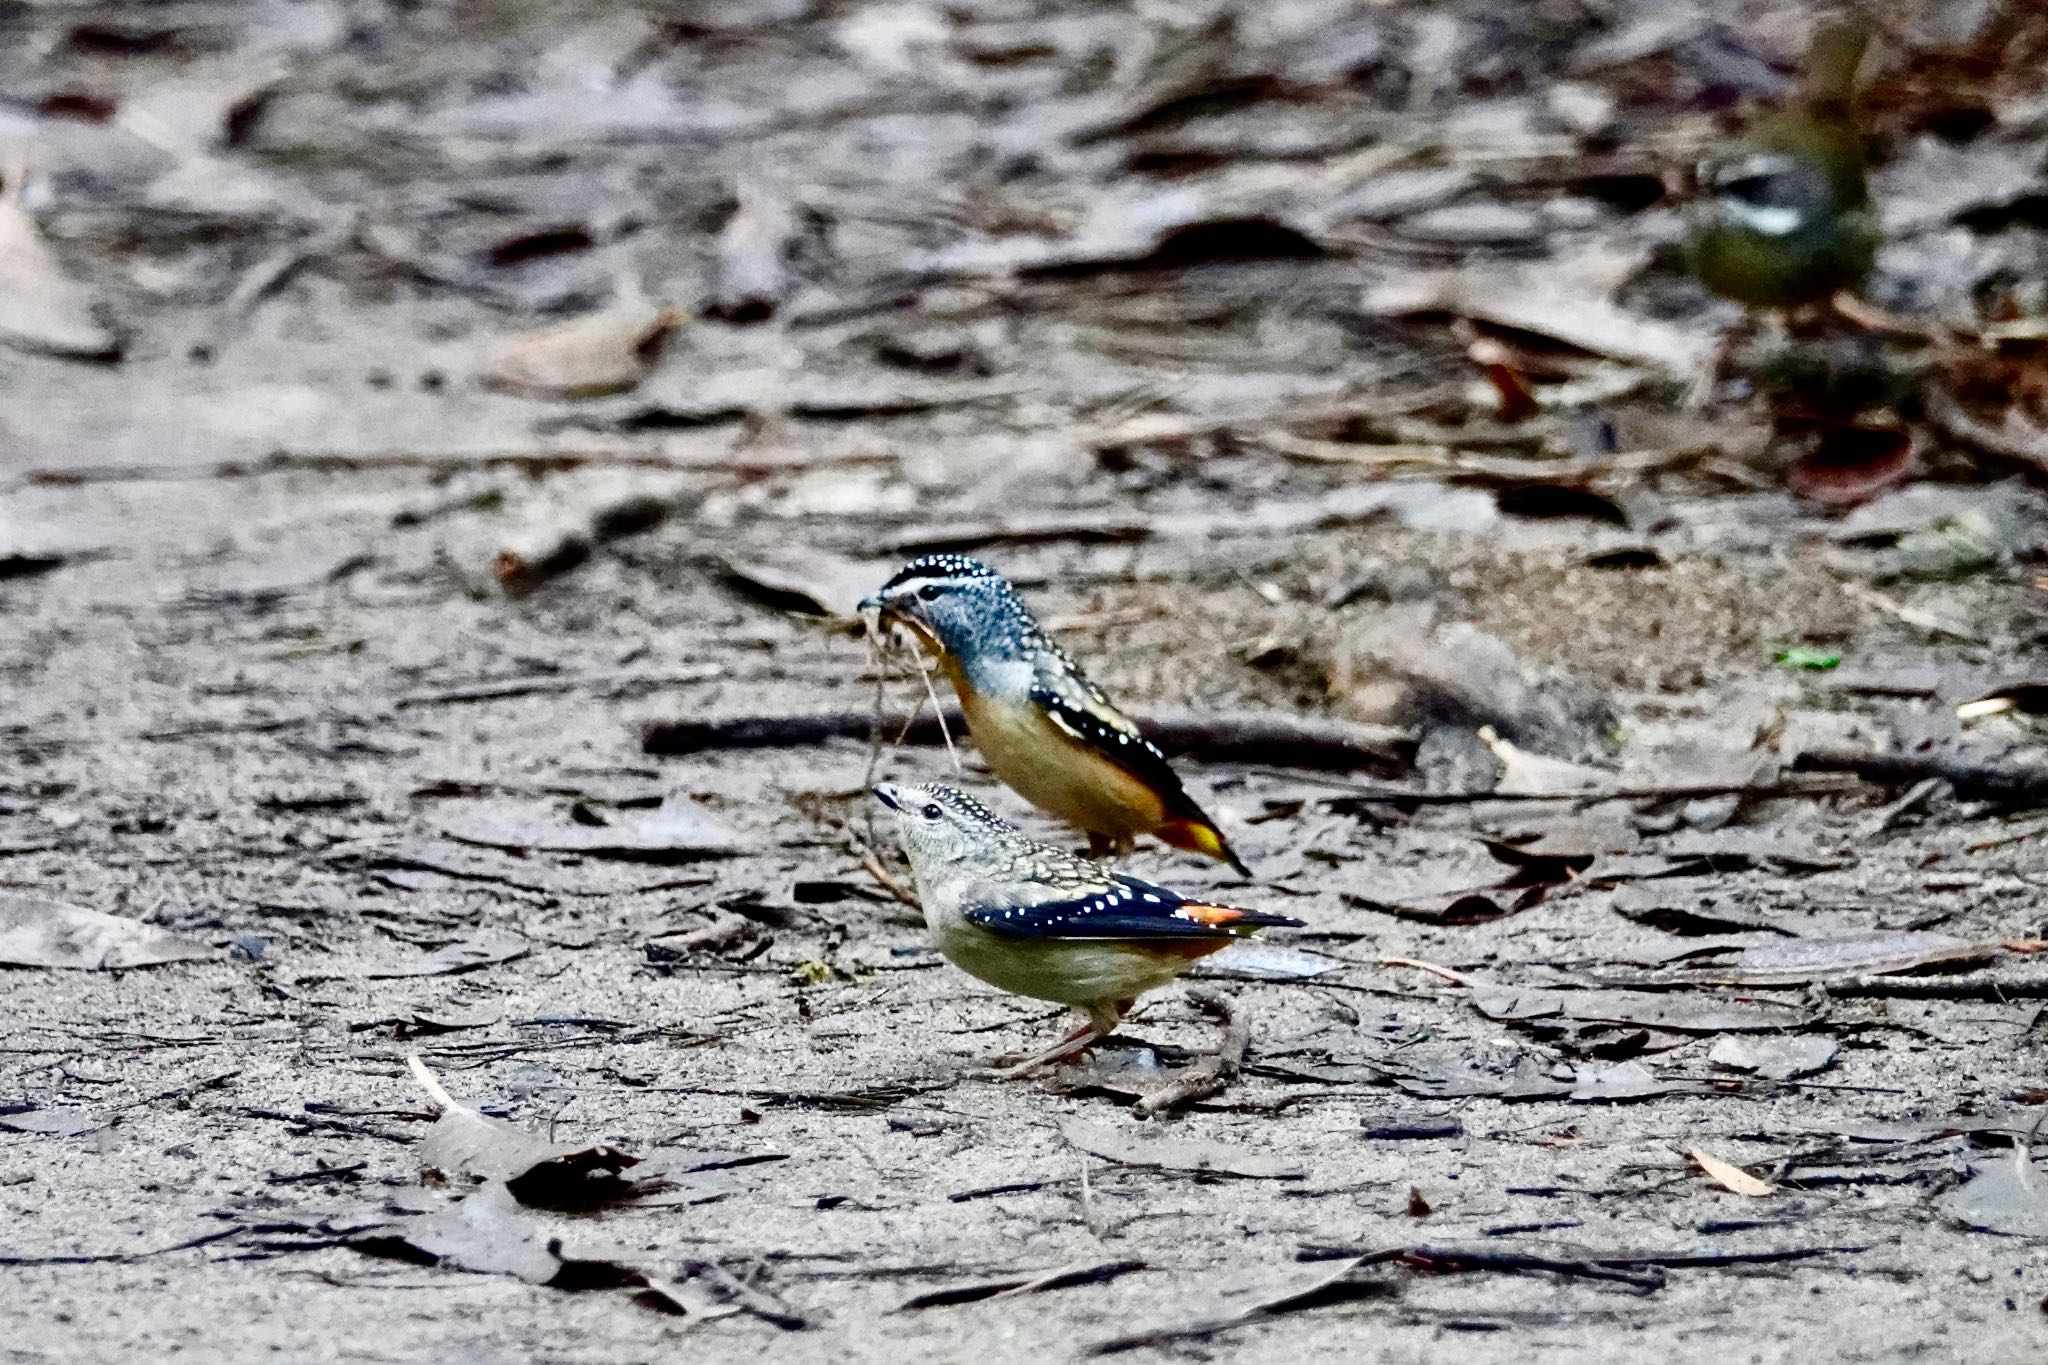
945, 731
1455, 978
1269, 739
888, 882
1871, 318
877, 659
1912, 616
434, 1090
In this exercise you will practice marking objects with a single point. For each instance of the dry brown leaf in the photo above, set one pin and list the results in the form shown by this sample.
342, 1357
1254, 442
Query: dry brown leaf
465, 1141
1568, 300
36, 931
1729, 1177
1523, 773
41, 307
599, 353
806, 579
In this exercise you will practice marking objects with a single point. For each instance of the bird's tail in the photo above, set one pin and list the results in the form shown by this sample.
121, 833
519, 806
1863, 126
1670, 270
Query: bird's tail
1235, 919
1199, 836
1834, 60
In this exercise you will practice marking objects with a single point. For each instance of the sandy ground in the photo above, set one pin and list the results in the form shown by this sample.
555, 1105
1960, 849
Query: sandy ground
329, 656
214, 729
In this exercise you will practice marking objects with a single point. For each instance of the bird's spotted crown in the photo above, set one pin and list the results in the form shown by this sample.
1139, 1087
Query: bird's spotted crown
940, 566
965, 805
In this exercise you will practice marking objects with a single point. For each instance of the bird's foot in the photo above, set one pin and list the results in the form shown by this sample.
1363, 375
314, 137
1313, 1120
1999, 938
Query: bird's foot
1073, 1045
1101, 846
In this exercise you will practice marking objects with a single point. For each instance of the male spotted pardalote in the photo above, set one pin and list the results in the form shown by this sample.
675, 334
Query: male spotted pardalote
1044, 729
1042, 922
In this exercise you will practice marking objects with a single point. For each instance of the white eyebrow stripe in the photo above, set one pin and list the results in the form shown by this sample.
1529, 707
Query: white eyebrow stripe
1771, 220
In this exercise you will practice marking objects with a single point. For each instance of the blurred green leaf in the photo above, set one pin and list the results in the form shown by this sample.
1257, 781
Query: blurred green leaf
1800, 656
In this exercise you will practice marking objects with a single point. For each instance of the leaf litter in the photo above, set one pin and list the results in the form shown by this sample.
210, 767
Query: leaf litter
586, 357
1730, 1177
1181, 218
678, 830
464, 1141
41, 306
489, 1231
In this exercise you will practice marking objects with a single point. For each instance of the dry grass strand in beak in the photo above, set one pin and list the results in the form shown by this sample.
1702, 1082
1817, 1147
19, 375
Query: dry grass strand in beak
924, 671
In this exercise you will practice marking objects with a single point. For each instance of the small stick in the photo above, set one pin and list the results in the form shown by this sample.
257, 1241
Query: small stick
888, 882
877, 658
1455, 978
1871, 318
434, 1090
1912, 616
1214, 1074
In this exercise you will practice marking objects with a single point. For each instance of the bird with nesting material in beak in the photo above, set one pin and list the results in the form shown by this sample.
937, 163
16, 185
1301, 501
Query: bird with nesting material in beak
1042, 922
1045, 730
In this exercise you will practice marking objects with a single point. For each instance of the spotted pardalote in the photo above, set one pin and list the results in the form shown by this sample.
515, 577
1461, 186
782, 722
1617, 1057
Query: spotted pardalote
1043, 728
1042, 922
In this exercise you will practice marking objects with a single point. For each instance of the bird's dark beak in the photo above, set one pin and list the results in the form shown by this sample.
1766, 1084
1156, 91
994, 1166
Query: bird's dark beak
883, 611
888, 796
887, 606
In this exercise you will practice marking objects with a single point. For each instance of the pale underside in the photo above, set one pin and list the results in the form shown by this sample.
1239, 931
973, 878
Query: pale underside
1078, 972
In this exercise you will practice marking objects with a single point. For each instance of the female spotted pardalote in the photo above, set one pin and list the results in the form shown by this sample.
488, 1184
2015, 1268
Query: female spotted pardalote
1040, 921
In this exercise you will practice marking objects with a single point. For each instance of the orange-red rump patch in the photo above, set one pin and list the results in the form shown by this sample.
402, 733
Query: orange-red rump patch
1216, 916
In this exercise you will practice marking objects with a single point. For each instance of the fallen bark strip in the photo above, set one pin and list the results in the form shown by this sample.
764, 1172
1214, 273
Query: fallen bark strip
1641, 1271
2011, 784
1338, 1285
119, 1257
1278, 740
990, 1191
1593, 796
1988, 987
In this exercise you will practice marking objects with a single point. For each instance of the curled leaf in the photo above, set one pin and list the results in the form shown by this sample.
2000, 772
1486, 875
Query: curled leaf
41, 307
599, 353
1730, 1177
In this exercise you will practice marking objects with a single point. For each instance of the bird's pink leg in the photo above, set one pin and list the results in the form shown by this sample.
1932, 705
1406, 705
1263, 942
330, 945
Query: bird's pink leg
1070, 1046
1102, 1021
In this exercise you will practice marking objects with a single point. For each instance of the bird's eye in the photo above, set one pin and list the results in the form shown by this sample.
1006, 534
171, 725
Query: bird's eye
929, 592
932, 812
